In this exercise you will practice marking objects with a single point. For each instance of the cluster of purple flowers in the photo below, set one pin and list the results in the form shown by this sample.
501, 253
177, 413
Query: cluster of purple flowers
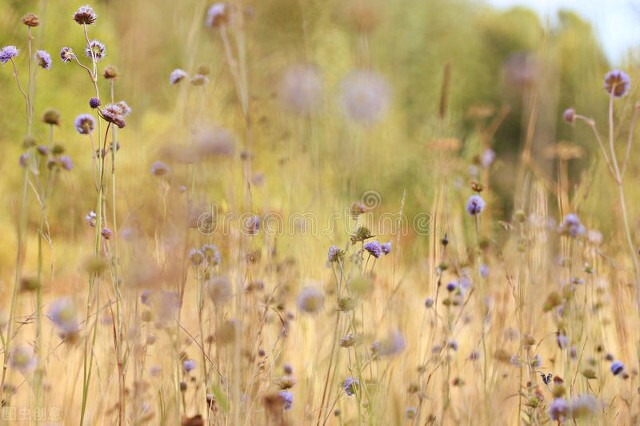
375, 249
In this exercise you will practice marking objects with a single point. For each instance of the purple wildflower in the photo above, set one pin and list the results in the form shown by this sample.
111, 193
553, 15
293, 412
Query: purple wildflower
617, 83
85, 123
374, 248
91, 218
350, 385
217, 15
386, 247
177, 76
571, 226
617, 367
287, 399
95, 49
66, 162
189, 365
63, 314
310, 300
569, 115
475, 205
7, 53
559, 409
94, 103
66, 54
160, 169
85, 15
44, 59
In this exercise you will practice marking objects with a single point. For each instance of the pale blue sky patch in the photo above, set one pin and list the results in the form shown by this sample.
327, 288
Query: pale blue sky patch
616, 22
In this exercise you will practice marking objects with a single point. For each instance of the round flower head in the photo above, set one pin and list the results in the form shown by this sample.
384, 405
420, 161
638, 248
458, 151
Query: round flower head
310, 300
211, 254
85, 123
195, 255
475, 205
350, 385
569, 115
365, 96
559, 409
189, 365
63, 314
386, 247
617, 83
125, 109
7, 53
219, 290
177, 76
287, 400
160, 169
30, 20
113, 113
218, 14
335, 254
300, 90
617, 367
66, 162
44, 59
96, 50
94, 103
374, 248
571, 226
85, 15
392, 345
66, 54
91, 218
23, 359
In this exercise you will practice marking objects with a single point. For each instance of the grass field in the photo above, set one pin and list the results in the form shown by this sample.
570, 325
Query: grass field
292, 212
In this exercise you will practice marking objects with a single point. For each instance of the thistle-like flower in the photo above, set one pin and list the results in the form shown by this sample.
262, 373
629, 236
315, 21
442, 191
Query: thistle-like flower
475, 205
64, 315
85, 123
95, 49
7, 53
617, 83
85, 15
23, 359
44, 59
350, 385
310, 300
287, 399
160, 169
30, 20
373, 248
365, 96
66, 54
217, 15
177, 76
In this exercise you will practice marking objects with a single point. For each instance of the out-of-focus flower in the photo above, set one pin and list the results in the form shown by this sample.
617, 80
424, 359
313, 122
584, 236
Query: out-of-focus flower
475, 205
571, 226
66, 163
219, 290
373, 248
487, 158
350, 385
335, 254
189, 365
23, 359
617, 367
300, 90
64, 315
365, 96
393, 344
287, 398
218, 14
386, 247
559, 409
91, 218
160, 169
569, 115
617, 83
310, 300
177, 76
85, 123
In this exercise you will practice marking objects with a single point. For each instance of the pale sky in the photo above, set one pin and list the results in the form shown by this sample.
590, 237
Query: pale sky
616, 22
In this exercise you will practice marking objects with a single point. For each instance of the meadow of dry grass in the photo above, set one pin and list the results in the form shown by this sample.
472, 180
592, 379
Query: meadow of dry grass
316, 212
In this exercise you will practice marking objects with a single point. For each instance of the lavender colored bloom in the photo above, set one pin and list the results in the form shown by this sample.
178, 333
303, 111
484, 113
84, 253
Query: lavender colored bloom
617, 83
85, 123
300, 90
44, 59
386, 247
569, 115
177, 76
145, 297
106, 233
24, 159
487, 158
94, 103
113, 113
66, 54
160, 169
585, 406
365, 96
452, 286
429, 302
617, 367
66, 162
334, 254
350, 385
23, 359
85, 15
95, 49
484, 271
310, 300
217, 15
63, 314
559, 409
536, 361
189, 365
571, 226
91, 218
7, 53
196, 257
475, 205
125, 109
562, 340
374, 248
287, 399
392, 345
211, 254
